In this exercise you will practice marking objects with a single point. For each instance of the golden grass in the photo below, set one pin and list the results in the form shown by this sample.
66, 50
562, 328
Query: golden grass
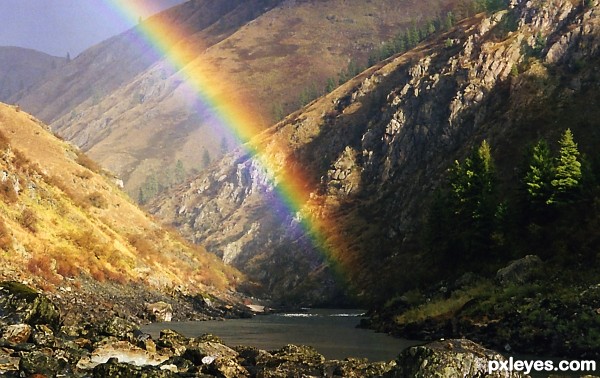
70, 222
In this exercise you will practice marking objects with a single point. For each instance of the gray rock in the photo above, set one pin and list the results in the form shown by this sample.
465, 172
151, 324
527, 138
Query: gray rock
519, 271
21, 304
160, 311
448, 359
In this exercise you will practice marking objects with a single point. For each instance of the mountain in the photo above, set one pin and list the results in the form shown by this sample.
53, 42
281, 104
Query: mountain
66, 227
23, 69
125, 106
372, 153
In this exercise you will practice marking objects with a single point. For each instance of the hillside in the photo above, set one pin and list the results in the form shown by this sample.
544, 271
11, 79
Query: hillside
116, 102
67, 228
24, 68
372, 153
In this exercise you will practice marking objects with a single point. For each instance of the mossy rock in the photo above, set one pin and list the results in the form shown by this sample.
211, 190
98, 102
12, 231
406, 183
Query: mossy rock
448, 359
20, 303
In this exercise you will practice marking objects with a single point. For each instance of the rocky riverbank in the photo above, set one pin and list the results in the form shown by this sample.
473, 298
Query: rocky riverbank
37, 342
529, 307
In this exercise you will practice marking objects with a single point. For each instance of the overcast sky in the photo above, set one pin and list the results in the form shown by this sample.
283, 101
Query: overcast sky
60, 26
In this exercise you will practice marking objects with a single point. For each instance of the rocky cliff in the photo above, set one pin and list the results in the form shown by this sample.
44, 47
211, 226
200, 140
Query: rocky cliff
372, 152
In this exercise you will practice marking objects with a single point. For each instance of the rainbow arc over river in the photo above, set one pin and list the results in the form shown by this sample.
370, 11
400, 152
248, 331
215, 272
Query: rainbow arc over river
218, 98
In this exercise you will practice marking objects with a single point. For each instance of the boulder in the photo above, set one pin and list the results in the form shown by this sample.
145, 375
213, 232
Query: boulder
448, 359
115, 369
121, 351
43, 336
519, 271
17, 333
291, 361
8, 363
160, 311
37, 362
21, 304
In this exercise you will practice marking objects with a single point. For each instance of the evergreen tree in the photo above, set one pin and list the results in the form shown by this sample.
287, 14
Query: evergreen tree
538, 177
179, 172
205, 158
473, 201
568, 170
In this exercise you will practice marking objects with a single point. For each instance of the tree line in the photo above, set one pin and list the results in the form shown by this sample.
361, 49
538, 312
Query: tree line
552, 211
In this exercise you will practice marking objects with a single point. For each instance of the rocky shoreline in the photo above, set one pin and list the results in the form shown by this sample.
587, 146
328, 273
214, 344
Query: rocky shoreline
38, 339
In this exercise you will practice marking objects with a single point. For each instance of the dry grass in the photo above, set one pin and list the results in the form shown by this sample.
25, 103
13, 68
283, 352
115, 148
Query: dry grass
57, 235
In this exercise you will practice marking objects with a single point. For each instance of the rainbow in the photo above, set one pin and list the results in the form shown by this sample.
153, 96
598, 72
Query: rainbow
230, 113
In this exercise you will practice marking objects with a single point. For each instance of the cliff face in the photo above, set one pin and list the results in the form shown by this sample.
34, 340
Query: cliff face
373, 150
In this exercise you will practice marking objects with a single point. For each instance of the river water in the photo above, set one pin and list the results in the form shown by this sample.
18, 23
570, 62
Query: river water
332, 332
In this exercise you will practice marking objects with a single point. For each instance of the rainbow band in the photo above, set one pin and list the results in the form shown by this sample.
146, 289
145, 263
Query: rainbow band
229, 113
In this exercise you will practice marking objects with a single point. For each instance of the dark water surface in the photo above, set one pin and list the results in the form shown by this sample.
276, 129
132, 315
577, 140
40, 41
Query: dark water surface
332, 332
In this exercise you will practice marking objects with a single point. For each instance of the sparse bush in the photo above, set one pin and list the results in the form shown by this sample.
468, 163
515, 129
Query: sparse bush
83, 160
5, 236
29, 220
143, 246
42, 266
65, 266
96, 199
7, 192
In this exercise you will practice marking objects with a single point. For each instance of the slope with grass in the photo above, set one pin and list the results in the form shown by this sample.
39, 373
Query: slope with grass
66, 225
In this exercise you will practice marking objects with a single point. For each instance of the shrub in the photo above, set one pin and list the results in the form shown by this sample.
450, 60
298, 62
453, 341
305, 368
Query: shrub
65, 266
29, 220
96, 199
5, 236
7, 192
83, 160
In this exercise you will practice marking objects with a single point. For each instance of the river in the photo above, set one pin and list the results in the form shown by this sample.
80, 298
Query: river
332, 332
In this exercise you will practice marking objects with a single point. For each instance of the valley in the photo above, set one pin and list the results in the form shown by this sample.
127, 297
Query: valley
450, 187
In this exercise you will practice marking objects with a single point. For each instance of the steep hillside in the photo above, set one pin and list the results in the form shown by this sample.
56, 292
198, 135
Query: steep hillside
24, 68
268, 52
103, 68
373, 152
65, 225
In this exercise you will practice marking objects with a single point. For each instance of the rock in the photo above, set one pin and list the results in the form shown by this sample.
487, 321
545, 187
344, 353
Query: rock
115, 369
122, 351
17, 333
37, 362
449, 358
519, 271
119, 328
160, 311
358, 368
8, 363
175, 342
43, 336
291, 361
21, 304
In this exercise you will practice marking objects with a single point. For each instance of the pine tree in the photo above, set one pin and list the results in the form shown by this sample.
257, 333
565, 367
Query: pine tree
472, 200
538, 177
568, 170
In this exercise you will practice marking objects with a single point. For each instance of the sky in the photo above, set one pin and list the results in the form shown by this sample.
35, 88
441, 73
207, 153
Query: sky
58, 27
